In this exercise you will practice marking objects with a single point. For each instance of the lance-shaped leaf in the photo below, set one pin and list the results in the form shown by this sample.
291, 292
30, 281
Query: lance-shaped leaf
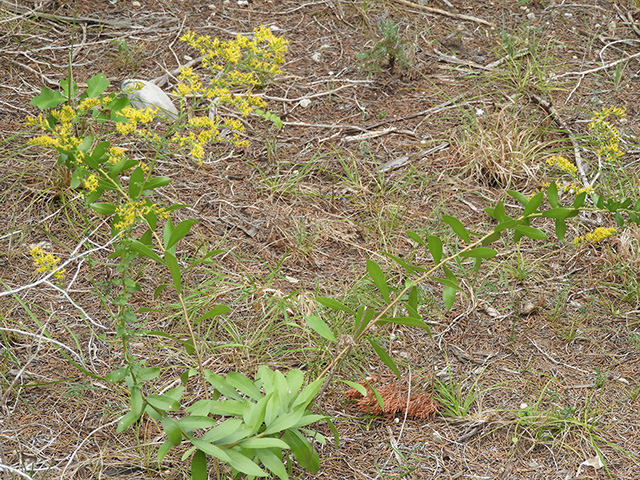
561, 228
480, 252
384, 356
335, 304
435, 247
552, 194
319, 326
533, 204
457, 227
531, 232
377, 275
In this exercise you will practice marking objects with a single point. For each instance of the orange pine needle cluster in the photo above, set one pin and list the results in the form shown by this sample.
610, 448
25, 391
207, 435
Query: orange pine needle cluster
419, 405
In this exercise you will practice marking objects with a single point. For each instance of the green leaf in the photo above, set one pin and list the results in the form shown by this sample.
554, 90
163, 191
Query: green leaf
48, 99
560, 212
245, 385
408, 321
449, 296
117, 375
244, 464
157, 182
136, 182
480, 252
96, 85
519, 196
163, 402
163, 450
285, 420
127, 420
435, 248
69, 87
415, 237
103, 208
148, 373
173, 431
263, 442
561, 228
179, 232
579, 200
531, 232
214, 312
457, 227
320, 327
273, 463
172, 264
533, 204
335, 304
199, 466
361, 389
223, 430
302, 450
552, 194
491, 238
308, 394
210, 449
377, 275
145, 251
193, 422
384, 356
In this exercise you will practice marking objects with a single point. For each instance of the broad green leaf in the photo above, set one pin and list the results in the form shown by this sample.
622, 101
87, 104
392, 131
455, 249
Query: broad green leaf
199, 466
172, 264
362, 319
480, 252
507, 224
244, 464
163, 402
415, 237
103, 208
361, 389
435, 248
148, 373
157, 182
457, 227
173, 431
96, 85
145, 251
69, 87
163, 450
519, 196
210, 449
377, 275
449, 296
533, 204
214, 312
531, 232
561, 228
48, 99
285, 421
226, 408
491, 238
308, 394
127, 420
320, 327
552, 194
295, 378
579, 200
384, 356
254, 413
193, 422
560, 212
335, 304
408, 321
302, 450
273, 463
223, 430
136, 181
619, 219
263, 442
117, 375
242, 383
220, 383
309, 419
180, 231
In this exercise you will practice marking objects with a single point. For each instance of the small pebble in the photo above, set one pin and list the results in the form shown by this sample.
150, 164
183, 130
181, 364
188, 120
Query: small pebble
135, 4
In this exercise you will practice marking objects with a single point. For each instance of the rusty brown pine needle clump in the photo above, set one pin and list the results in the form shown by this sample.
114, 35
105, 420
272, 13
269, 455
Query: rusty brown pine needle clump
418, 405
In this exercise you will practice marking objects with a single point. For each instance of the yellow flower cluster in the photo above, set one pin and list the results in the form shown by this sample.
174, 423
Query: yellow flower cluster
607, 137
134, 116
562, 163
565, 187
91, 182
597, 235
46, 262
130, 211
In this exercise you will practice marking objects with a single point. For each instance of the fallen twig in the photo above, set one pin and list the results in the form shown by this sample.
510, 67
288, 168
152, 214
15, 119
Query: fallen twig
439, 11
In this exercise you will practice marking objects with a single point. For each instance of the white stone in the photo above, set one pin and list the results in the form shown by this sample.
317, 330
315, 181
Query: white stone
144, 94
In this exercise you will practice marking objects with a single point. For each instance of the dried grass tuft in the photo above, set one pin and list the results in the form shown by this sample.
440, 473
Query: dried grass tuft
396, 399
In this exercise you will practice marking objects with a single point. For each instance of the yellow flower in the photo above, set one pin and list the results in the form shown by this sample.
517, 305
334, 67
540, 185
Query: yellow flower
91, 183
597, 235
562, 163
46, 262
